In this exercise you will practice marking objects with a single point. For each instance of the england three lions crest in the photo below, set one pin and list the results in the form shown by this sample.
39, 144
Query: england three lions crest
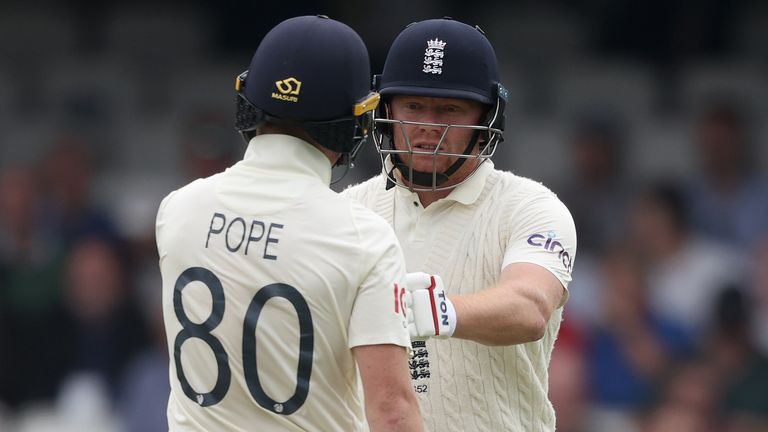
433, 57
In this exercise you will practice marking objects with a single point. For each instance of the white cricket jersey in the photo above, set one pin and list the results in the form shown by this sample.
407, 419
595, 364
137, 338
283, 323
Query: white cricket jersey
417, 227
490, 221
269, 279
539, 230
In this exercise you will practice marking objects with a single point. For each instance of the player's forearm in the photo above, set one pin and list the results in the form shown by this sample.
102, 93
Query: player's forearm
390, 401
498, 317
401, 414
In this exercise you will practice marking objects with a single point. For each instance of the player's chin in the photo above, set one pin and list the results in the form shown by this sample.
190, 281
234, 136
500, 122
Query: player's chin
427, 163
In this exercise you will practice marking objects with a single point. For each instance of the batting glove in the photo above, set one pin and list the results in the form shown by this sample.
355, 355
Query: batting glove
430, 312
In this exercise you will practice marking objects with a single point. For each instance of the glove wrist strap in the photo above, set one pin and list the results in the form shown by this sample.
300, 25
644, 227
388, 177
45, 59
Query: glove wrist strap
451, 312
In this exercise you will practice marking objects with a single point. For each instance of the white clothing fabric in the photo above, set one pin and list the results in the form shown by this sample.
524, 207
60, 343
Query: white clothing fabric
488, 222
269, 279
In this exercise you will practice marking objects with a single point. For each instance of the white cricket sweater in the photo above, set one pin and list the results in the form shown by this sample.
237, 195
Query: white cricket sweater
463, 385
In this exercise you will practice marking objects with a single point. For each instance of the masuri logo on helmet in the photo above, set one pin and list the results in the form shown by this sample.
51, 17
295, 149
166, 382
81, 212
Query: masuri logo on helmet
286, 87
321, 68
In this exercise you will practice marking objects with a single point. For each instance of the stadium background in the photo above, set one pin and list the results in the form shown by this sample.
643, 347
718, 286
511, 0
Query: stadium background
647, 118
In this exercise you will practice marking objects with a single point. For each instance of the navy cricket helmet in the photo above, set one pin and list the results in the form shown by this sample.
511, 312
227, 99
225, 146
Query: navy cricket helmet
447, 59
312, 72
442, 58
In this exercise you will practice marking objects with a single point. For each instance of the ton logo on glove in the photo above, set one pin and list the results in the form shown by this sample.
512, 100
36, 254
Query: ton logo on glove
425, 317
444, 307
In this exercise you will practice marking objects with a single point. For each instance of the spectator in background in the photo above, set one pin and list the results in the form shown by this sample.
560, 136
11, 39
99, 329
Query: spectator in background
145, 386
743, 370
209, 144
688, 401
597, 193
724, 389
597, 196
729, 202
103, 328
686, 271
67, 173
760, 290
30, 294
632, 349
29, 255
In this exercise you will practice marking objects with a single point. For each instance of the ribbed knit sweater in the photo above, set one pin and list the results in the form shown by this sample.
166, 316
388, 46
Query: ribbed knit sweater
463, 385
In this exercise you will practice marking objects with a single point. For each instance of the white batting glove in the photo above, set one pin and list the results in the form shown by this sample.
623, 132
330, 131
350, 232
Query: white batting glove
430, 312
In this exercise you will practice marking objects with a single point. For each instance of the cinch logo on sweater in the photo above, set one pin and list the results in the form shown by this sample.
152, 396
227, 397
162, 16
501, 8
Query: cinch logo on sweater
549, 243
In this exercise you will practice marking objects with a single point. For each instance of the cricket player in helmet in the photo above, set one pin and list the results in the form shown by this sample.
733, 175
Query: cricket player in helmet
301, 83
454, 61
281, 298
489, 253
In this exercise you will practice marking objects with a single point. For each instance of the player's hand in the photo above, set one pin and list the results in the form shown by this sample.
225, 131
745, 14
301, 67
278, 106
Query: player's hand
430, 312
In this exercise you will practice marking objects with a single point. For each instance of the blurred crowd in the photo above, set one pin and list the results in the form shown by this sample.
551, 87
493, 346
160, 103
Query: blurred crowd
666, 327
83, 344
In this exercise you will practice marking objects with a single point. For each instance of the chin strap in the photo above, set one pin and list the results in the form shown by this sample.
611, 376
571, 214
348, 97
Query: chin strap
423, 178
